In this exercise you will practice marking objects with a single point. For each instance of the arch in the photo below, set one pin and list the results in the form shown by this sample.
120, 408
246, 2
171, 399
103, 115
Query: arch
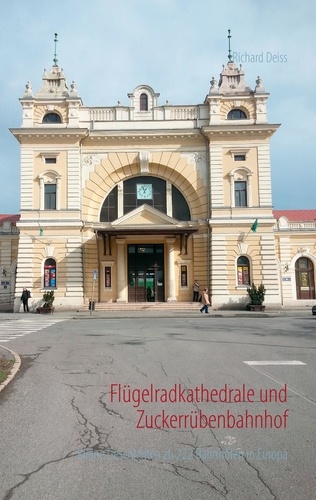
237, 114
52, 118
113, 170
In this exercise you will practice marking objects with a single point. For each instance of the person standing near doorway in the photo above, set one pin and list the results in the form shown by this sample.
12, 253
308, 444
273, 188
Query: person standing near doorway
24, 298
205, 301
196, 288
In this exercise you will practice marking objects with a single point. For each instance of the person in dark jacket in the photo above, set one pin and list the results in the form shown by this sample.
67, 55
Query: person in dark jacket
25, 297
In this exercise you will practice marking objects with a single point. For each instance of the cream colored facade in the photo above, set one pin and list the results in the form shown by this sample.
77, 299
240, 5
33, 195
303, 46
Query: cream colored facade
103, 189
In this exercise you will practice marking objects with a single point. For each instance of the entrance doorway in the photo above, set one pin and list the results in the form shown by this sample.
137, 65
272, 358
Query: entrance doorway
304, 275
146, 273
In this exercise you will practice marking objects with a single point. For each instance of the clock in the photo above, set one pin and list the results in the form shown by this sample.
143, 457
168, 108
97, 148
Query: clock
144, 191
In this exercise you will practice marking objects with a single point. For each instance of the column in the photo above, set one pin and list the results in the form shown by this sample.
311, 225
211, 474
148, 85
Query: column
121, 294
171, 275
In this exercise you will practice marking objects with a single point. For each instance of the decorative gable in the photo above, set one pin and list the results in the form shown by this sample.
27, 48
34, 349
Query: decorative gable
145, 216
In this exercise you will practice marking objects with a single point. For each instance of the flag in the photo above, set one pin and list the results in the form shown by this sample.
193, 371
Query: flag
254, 226
40, 229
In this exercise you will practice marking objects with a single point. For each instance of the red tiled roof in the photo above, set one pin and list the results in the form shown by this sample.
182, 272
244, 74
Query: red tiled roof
296, 215
9, 217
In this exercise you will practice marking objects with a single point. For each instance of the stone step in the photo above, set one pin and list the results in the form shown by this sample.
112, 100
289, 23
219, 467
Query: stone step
144, 306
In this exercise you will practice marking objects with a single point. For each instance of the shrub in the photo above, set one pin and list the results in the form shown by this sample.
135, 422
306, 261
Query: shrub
48, 298
256, 294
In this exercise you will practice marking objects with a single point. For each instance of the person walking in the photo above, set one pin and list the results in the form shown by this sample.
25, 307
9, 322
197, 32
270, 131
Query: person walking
24, 298
205, 301
196, 288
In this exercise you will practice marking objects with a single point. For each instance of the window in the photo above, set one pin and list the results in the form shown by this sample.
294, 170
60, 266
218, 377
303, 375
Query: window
144, 189
240, 193
239, 157
50, 273
50, 160
50, 197
107, 277
51, 118
243, 271
184, 276
132, 200
236, 114
109, 207
180, 208
143, 102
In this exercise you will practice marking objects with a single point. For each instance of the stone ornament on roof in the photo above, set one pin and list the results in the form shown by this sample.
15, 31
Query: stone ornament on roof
214, 86
28, 89
259, 85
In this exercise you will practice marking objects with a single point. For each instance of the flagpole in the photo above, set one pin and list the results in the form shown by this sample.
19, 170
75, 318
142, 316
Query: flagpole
246, 235
253, 229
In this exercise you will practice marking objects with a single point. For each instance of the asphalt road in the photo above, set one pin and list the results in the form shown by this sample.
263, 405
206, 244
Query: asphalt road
70, 431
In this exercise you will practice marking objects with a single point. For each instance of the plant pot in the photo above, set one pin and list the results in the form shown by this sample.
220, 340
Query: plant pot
45, 310
255, 307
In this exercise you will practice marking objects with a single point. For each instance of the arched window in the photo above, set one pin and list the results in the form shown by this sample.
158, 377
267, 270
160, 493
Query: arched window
143, 102
243, 271
236, 114
50, 273
304, 275
52, 118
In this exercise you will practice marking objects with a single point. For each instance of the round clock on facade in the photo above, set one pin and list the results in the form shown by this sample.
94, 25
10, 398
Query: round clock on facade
144, 191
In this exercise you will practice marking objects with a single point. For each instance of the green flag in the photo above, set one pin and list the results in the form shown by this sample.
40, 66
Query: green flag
254, 226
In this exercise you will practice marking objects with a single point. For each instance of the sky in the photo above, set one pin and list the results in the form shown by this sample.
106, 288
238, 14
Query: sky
175, 46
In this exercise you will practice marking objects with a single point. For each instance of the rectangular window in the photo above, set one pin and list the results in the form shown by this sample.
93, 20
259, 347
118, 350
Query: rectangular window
239, 157
50, 160
50, 197
184, 276
240, 194
243, 275
49, 277
107, 277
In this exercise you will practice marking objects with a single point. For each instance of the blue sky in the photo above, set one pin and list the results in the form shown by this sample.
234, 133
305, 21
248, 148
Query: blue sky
109, 47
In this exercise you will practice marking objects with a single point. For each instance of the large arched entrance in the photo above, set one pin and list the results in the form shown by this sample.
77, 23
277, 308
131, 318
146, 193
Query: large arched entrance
304, 275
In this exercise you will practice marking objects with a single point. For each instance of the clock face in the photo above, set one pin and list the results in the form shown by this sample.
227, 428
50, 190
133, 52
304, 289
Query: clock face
144, 191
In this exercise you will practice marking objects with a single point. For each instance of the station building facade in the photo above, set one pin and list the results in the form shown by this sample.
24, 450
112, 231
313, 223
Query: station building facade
132, 203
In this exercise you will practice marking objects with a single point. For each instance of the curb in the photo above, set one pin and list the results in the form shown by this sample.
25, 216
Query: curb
15, 368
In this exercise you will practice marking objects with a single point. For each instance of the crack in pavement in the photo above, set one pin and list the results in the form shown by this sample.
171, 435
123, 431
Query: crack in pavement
259, 477
27, 476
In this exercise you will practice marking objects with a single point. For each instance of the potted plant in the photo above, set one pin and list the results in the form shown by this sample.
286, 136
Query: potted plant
48, 299
256, 295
